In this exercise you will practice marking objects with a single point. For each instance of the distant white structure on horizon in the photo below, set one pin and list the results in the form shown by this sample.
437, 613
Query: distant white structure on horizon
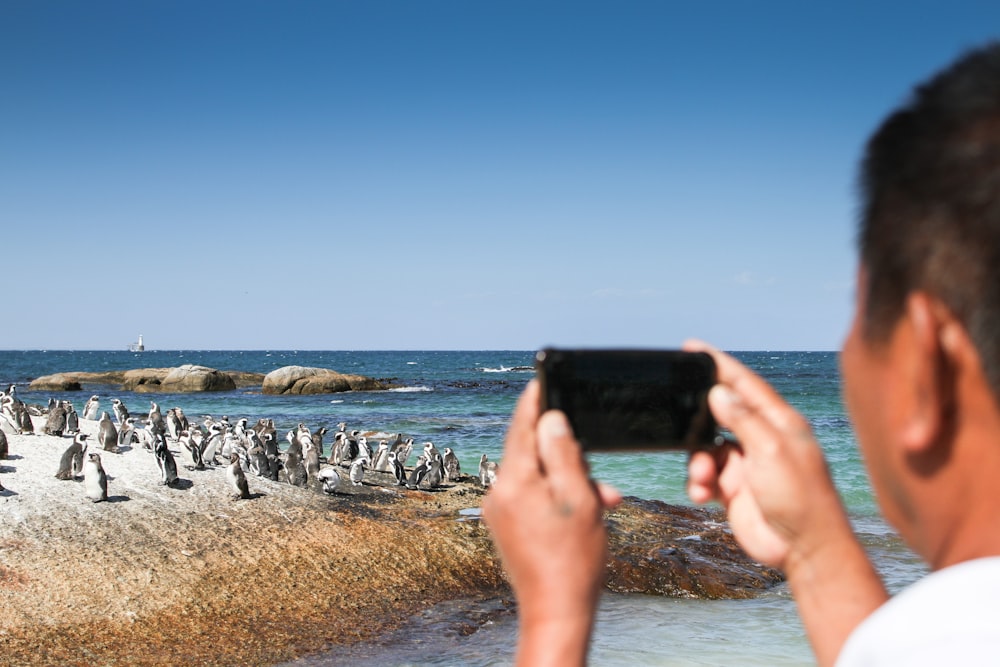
137, 346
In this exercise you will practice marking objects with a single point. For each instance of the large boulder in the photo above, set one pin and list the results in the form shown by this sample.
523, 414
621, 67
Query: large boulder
304, 380
144, 379
188, 378
56, 382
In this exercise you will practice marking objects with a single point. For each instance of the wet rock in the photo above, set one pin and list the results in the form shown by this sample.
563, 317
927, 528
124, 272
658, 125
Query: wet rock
305, 380
680, 551
57, 382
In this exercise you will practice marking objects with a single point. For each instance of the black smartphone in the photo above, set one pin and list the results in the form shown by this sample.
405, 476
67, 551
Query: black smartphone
619, 400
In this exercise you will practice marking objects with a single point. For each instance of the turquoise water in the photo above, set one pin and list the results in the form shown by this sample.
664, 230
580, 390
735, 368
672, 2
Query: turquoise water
463, 400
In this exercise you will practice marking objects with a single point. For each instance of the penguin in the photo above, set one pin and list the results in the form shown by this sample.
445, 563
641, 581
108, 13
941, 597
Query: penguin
71, 463
24, 419
4, 447
430, 451
487, 471
126, 434
418, 474
173, 424
55, 421
398, 471
403, 450
310, 457
72, 419
317, 437
452, 468
191, 441
364, 449
435, 472
91, 407
237, 479
213, 442
337, 449
166, 462
330, 479
107, 434
258, 462
381, 463
155, 417
273, 457
357, 473
121, 412
295, 472
95, 481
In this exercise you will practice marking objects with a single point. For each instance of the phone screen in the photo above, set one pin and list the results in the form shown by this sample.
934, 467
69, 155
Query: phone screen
631, 399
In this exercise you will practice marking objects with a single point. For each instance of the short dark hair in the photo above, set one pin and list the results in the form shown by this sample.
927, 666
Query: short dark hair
930, 197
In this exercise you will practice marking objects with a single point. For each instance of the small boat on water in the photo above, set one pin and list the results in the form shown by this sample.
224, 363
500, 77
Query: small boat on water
137, 346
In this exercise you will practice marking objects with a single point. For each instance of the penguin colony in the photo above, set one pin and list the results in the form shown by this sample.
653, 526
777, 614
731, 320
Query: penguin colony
244, 451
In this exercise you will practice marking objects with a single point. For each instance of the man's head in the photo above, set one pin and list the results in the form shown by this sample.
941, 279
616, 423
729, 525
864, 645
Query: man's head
921, 364
930, 187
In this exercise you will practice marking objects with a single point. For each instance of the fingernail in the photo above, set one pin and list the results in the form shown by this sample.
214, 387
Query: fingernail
553, 424
727, 395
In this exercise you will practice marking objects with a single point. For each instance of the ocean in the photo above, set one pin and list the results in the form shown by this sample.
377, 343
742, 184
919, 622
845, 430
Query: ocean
463, 400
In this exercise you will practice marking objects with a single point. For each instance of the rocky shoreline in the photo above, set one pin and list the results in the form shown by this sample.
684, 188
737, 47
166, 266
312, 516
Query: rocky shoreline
192, 378
162, 575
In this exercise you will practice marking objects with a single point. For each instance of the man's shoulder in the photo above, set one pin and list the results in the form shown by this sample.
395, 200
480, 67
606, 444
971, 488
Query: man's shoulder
949, 614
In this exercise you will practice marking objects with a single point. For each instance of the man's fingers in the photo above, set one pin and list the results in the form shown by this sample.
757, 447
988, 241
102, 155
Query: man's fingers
520, 451
744, 395
562, 459
609, 495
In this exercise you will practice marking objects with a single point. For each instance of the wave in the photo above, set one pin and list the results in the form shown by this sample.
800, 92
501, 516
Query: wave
509, 369
407, 390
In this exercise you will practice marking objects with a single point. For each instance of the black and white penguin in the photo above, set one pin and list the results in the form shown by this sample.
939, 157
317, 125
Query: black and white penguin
156, 424
452, 468
295, 472
237, 479
176, 423
212, 445
435, 472
271, 452
121, 412
165, 460
192, 441
55, 421
317, 437
330, 479
430, 451
418, 474
91, 408
381, 461
127, 435
257, 459
95, 480
487, 471
403, 450
71, 463
107, 434
398, 471
72, 419
357, 473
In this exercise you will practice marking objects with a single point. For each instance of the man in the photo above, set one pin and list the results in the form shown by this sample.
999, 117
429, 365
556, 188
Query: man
921, 371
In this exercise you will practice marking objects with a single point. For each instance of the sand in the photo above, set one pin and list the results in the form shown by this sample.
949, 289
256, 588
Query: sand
159, 575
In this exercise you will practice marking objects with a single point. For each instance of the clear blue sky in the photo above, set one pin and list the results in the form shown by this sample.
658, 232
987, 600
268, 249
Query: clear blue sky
444, 174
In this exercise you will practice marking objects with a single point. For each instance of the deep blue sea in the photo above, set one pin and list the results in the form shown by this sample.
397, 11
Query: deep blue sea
463, 400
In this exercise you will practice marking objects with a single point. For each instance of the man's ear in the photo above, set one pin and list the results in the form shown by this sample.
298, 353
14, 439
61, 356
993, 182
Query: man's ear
925, 338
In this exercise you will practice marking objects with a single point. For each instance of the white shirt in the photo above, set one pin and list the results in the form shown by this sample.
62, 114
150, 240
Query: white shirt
950, 617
